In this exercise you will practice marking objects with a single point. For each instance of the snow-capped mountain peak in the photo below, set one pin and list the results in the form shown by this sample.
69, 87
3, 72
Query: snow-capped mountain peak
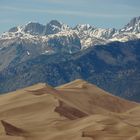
132, 26
54, 27
34, 28
83, 27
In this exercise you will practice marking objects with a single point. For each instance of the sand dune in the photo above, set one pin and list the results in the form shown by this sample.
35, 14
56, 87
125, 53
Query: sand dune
74, 111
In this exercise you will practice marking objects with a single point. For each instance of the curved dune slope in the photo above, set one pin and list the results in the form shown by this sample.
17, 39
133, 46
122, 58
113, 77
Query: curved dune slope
74, 111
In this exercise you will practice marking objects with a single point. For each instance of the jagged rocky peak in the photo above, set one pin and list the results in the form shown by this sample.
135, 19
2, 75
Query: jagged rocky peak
132, 26
83, 27
105, 33
55, 23
34, 28
14, 29
54, 27
134, 22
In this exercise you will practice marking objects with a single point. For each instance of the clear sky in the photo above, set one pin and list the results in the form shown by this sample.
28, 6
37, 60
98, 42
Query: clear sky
100, 13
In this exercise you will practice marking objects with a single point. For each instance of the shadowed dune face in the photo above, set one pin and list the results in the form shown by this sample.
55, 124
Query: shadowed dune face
75, 111
69, 112
12, 130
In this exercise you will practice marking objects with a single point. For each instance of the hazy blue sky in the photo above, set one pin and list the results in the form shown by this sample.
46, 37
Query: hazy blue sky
100, 13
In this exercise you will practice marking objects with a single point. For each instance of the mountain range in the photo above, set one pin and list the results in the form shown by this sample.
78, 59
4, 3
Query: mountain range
56, 53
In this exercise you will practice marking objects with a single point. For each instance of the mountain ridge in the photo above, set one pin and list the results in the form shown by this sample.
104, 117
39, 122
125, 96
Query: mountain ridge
129, 31
113, 67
